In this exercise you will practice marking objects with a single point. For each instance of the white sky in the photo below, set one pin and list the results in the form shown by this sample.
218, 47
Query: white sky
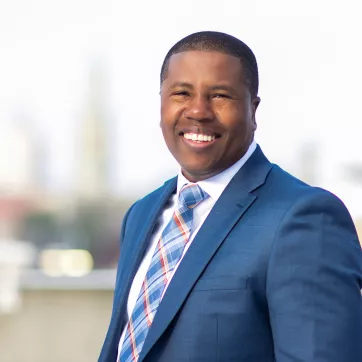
309, 57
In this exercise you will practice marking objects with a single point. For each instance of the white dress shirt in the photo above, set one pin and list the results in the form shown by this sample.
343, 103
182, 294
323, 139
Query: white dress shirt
214, 186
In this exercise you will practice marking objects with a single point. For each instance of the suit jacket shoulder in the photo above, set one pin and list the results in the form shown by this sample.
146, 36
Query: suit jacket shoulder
153, 197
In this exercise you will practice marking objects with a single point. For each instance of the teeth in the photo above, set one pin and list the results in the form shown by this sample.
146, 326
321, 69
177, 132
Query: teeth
199, 137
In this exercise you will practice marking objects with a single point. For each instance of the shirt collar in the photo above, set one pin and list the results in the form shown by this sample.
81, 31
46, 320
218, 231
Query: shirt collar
215, 185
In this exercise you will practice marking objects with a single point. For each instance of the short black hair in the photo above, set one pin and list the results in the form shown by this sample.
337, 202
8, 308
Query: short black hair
222, 43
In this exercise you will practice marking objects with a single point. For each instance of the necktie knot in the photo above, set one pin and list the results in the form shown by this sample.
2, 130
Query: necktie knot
191, 195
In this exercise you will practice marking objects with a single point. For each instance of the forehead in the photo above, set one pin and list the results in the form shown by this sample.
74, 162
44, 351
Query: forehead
204, 65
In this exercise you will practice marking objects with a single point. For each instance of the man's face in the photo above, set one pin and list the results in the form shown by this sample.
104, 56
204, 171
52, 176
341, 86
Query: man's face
207, 112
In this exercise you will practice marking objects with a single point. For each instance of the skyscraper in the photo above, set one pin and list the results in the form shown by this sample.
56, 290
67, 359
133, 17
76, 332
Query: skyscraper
91, 172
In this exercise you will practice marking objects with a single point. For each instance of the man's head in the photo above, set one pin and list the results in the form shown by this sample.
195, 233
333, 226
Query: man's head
209, 87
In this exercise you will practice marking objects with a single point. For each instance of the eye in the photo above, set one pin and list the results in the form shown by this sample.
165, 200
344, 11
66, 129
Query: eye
181, 93
220, 95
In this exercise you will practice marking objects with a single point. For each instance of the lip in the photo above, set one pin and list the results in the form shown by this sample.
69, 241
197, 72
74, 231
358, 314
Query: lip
199, 130
198, 145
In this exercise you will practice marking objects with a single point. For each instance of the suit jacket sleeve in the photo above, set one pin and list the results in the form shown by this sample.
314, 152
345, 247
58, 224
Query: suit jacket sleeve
313, 283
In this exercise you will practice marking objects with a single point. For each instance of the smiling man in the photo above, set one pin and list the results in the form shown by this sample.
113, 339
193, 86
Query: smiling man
207, 112
234, 259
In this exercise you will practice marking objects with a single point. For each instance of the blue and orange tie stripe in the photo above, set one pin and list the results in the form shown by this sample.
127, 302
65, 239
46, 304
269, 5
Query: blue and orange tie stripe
166, 256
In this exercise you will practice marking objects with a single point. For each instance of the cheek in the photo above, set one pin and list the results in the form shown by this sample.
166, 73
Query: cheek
170, 108
229, 113
239, 131
168, 117
166, 122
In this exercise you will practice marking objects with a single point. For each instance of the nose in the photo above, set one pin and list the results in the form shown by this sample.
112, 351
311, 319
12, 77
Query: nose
199, 109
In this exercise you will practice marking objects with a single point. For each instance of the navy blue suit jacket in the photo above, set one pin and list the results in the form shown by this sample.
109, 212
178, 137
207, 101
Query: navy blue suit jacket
274, 274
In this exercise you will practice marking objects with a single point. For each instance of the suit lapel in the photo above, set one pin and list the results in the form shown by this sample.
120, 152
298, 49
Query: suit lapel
142, 232
230, 207
131, 256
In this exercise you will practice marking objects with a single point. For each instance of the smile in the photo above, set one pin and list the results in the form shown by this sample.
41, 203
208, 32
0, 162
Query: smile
199, 141
198, 137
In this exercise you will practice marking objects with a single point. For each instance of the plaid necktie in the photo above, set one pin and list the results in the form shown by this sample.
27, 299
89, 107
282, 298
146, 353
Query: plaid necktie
166, 256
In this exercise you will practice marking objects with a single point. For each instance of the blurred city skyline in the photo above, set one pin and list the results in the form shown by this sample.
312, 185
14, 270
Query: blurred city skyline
309, 84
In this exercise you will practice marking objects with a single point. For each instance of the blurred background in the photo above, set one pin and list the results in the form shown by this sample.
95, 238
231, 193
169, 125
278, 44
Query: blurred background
80, 139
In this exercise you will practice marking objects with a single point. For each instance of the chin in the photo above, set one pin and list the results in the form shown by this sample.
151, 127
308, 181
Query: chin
195, 174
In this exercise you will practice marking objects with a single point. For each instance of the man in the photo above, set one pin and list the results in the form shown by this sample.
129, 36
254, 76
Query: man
234, 259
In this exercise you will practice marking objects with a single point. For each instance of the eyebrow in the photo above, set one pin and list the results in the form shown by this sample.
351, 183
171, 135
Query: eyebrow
223, 88
181, 85
218, 87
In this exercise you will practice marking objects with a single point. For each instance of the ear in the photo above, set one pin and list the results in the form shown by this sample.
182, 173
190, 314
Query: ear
160, 94
255, 105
